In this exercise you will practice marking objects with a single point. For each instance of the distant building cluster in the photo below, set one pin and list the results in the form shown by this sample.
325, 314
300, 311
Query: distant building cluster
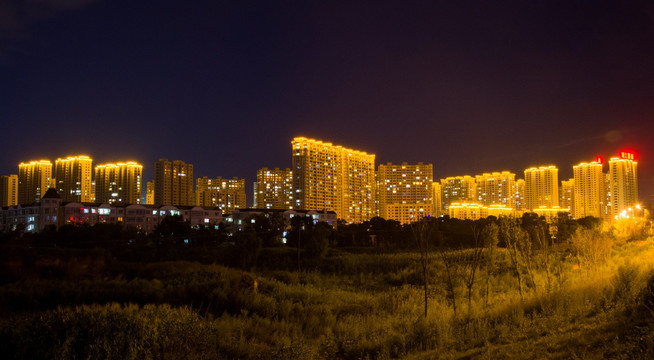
324, 178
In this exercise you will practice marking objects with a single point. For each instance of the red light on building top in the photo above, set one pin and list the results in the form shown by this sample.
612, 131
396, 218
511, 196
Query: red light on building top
628, 154
599, 159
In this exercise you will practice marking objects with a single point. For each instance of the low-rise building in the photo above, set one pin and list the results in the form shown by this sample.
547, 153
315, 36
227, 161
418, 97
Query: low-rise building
51, 211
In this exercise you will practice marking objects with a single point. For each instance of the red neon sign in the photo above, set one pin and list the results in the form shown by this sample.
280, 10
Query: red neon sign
628, 154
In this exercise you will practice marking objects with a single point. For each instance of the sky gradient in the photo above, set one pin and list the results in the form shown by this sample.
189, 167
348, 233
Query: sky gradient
470, 86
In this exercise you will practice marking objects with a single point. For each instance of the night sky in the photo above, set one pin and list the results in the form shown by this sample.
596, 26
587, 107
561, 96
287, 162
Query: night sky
470, 86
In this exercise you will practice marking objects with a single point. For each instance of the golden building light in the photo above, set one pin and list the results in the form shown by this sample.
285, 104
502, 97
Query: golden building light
118, 183
73, 177
496, 188
8, 190
274, 189
457, 189
332, 177
541, 187
405, 192
566, 195
588, 189
226, 194
623, 172
34, 179
173, 183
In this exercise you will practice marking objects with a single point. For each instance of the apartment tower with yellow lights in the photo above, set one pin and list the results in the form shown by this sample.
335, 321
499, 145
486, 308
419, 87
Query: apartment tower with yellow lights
335, 178
457, 189
541, 187
567, 195
173, 183
149, 193
519, 196
119, 183
623, 172
274, 189
438, 206
496, 188
405, 192
8, 190
226, 194
588, 189
34, 179
73, 177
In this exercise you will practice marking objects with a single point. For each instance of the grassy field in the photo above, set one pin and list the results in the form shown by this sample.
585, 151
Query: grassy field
353, 305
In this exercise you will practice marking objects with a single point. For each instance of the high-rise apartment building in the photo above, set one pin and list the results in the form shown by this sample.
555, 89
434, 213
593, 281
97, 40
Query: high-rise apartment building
405, 191
226, 194
438, 205
624, 182
457, 189
606, 200
118, 183
34, 179
567, 195
274, 189
149, 193
519, 196
8, 190
496, 188
73, 177
541, 187
173, 183
335, 178
588, 190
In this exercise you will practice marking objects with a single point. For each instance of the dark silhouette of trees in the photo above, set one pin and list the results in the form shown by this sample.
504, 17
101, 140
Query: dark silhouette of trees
247, 246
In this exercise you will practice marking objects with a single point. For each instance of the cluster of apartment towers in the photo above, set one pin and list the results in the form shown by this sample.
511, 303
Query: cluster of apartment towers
334, 178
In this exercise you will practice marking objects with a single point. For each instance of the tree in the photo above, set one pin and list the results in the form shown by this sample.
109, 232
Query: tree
512, 234
490, 236
317, 243
590, 247
423, 231
473, 261
247, 245
269, 227
449, 263
172, 230
301, 226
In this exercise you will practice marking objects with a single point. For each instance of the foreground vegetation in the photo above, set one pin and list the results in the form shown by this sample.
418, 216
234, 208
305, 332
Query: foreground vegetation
509, 295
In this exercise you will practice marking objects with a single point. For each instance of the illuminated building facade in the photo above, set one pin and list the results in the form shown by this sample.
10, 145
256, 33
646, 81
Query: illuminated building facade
405, 192
496, 188
173, 183
606, 203
624, 182
467, 211
8, 190
73, 177
588, 190
457, 189
149, 193
519, 196
34, 179
274, 189
438, 204
225, 194
476, 211
335, 178
118, 183
567, 195
541, 187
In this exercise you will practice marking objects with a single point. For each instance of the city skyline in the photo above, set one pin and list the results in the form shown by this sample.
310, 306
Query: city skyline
470, 88
474, 194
